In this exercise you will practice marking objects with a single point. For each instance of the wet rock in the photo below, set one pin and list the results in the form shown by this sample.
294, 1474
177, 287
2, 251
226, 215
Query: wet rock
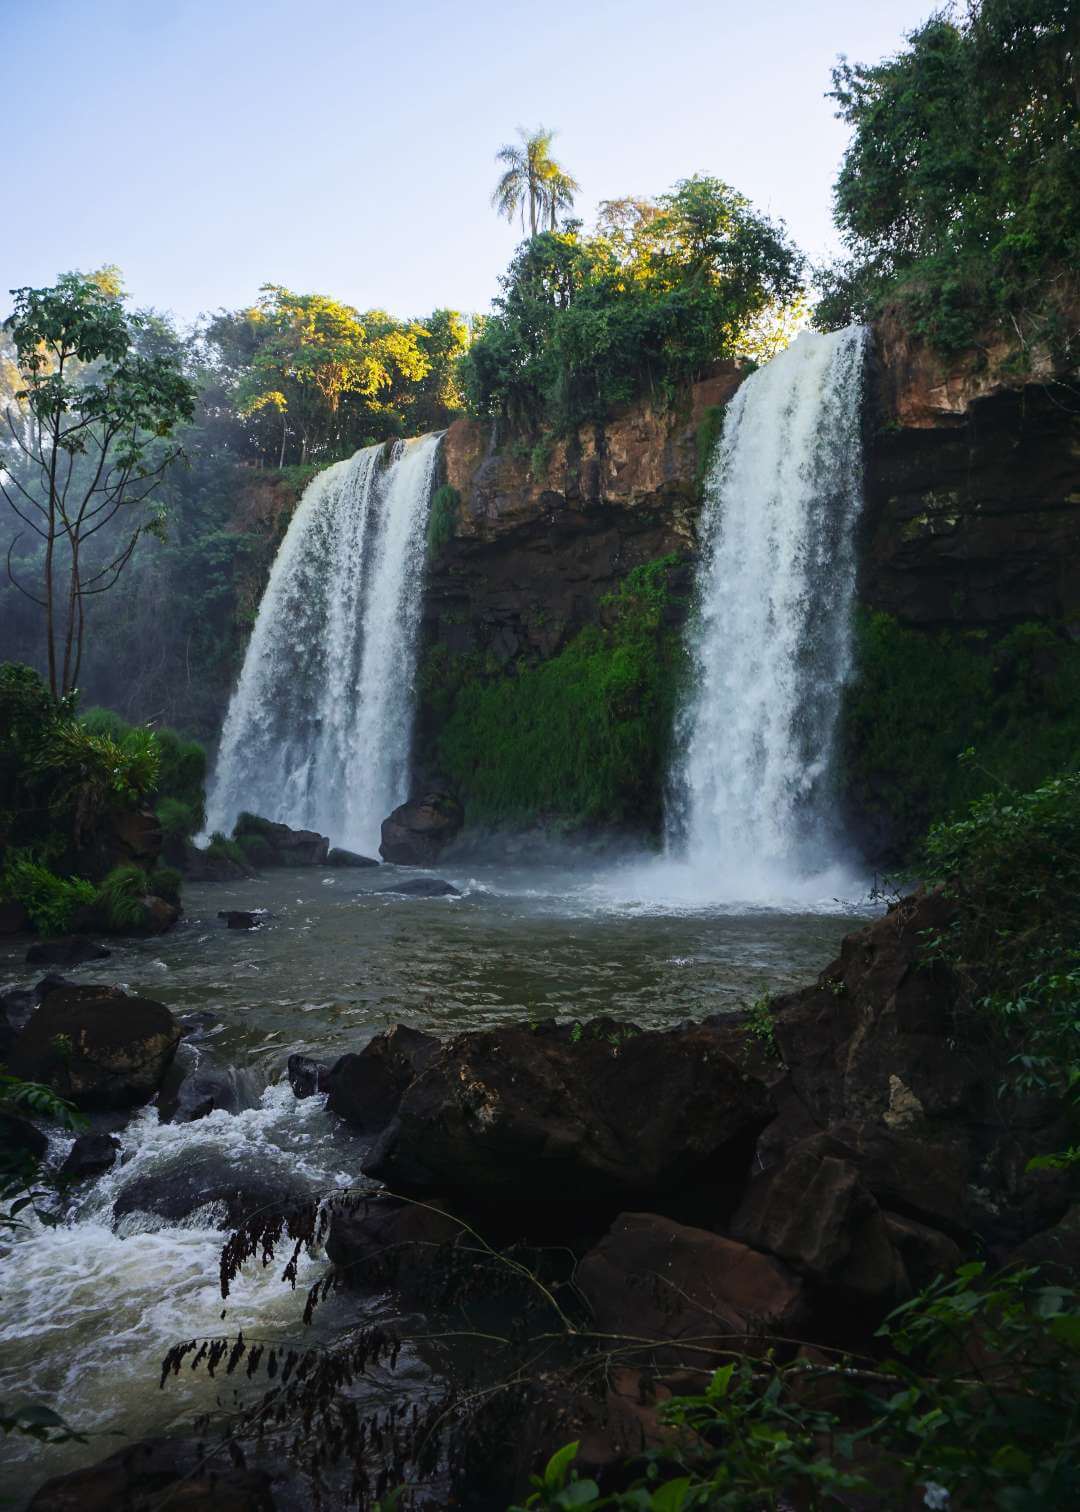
422, 887
90, 1155
97, 1047
337, 856
188, 1095
543, 1116
654, 1279
926, 1252
814, 1211
365, 1089
202, 1178
200, 867
69, 950
306, 1076
288, 847
416, 832
13, 918
385, 1242
19, 1137
1056, 1251
192, 1475
236, 918
52, 981
199, 1024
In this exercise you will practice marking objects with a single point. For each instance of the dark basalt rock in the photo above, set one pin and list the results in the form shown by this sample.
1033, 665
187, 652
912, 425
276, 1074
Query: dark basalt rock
386, 1242
142, 1477
90, 1155
70, 950
199, 1024
422, 887
337, 856
186, 1096
19, 1137
650, 1278
1056, 1251
366, 1089
13, 918
416, 832
194, 1181
288, 847
96, 1046
520, 1115
306, 1076
236, 918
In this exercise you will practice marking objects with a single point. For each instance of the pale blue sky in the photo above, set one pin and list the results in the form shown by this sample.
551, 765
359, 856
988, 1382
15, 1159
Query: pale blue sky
208, 146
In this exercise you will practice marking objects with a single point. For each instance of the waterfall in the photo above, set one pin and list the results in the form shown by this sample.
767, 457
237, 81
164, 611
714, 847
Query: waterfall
318, 729
752, 805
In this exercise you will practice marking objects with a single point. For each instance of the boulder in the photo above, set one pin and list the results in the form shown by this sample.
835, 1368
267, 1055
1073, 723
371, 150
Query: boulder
814, 1211
417, 832
384, 1241
365, 1089
90, 1155
96, 1046
656, 1280
186, 1096
198, 1025
200, 867
190, 1475
1056, 1251
236, 918
13, 918
290, 847
336, 856
422, 887
200, 1179
68, 950
135, 836
306, 1076
926, 1252
551, 1115
21, 1138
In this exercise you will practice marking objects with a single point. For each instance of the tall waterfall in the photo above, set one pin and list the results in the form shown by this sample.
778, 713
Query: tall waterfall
318, 730
752, 804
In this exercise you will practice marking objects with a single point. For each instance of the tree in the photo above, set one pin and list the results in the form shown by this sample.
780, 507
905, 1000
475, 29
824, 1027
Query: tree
87, 430
533, 177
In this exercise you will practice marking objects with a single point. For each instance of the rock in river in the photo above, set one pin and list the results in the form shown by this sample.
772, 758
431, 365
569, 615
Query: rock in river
422, 887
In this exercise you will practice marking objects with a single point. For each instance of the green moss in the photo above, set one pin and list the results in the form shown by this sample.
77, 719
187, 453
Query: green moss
257, 849
920, 701
442, 521
709, 431
581, 738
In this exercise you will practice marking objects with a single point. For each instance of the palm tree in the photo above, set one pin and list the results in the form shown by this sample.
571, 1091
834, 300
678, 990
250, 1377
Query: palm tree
532, 176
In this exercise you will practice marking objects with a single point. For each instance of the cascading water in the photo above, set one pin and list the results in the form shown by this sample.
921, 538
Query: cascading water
318, 730
752, 804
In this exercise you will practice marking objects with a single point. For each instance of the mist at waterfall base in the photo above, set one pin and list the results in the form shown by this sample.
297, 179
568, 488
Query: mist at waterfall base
317, 734
752, 813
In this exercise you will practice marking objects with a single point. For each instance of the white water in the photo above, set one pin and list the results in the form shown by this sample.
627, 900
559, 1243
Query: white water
318, 731
752, 808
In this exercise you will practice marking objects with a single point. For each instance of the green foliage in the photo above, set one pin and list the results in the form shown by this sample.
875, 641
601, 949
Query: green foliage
253, 824
166, 882
1013, 866
759, 1025
181, 773
120, 896
583, 736
706, 438
959, 194
51, 901
532, 177
256, 849
178, 820
442, 521
587, 323
918, 700
221, 848
970, 1405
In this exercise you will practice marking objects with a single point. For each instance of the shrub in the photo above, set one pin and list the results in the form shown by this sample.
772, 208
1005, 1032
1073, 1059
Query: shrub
178, 820
253, 824
51, 901
257, 850
442, 521
166, 882
120, 897
221, 848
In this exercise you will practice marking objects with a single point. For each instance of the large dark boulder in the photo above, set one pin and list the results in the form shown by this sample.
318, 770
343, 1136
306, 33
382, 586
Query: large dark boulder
650, 1279
187, 1095
422, 887
236, 1192
13, 918
69, 950
385, 1242
551, 1115
282, 846
98, 1047
189, 1475
90, 1155
365, 1089
307, 1077
21, 1139
337, 856
417, 832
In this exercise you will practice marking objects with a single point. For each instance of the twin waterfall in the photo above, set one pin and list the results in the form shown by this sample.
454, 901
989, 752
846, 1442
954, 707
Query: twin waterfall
752, 806
318, 732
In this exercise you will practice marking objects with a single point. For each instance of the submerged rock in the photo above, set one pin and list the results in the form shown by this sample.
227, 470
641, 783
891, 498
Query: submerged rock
366, 1089
90, 1155
306, 1076
207, 1177
185, 1097
417, 831
96, 1046
199, 1024
144, 1476
337, 856
236, 918
422, 887
69, 950
13, 918
545, 1116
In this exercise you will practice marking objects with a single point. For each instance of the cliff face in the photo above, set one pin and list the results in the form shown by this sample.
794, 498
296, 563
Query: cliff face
542, 536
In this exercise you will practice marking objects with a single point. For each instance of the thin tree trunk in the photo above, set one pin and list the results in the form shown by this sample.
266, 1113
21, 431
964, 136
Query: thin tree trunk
49, 619
284, 433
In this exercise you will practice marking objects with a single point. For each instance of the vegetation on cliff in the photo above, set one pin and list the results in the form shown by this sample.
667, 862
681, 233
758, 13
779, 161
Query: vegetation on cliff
959, 194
